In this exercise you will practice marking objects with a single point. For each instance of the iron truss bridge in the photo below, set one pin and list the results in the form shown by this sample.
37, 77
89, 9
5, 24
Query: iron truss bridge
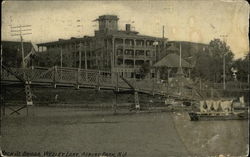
54, 77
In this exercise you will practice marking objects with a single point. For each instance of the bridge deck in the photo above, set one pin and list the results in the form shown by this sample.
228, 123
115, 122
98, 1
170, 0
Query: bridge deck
79, 78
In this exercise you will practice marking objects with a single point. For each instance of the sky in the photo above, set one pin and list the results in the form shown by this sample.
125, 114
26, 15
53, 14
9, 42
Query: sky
184, 20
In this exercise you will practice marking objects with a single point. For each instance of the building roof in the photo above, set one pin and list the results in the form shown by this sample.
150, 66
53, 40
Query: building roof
172, 48
172, 60
119, 33
125, 34
132, 34
107, 17
189, 48
65, 41
184, 43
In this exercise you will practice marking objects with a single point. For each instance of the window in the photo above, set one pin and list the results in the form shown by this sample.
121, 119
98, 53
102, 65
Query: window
136, 52
129, 52
118, 52
126, 52
139, 62
132, 52
153, 53
152, 75
132, 75
119, 61
141, 52
138, 76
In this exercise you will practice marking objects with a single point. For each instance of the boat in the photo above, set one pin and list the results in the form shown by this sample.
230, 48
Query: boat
196, 116
218, 110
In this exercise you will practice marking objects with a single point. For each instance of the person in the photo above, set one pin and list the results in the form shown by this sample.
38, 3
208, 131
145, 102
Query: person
56, 98
242, 102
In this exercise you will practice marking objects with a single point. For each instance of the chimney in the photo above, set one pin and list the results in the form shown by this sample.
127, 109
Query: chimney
128, 26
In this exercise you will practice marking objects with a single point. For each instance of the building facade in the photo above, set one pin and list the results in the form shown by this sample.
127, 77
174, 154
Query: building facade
123, 51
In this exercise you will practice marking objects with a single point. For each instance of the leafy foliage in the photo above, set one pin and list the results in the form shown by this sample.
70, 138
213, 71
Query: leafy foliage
242, 66
53, 57
144, 70
12, 54
209, 64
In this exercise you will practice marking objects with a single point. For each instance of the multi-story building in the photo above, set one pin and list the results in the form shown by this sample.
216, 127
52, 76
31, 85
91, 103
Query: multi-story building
123, 51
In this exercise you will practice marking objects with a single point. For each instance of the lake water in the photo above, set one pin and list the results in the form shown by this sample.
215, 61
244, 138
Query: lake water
77, 130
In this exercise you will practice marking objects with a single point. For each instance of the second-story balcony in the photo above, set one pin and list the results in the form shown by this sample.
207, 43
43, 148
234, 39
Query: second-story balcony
127, 46
129, 66
136, 56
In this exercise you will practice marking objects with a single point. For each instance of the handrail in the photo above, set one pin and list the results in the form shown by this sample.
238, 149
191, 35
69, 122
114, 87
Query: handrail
10, 71
71, 76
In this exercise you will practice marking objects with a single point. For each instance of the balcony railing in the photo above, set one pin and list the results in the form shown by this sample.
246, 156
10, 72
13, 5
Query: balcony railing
135, 46
136, 56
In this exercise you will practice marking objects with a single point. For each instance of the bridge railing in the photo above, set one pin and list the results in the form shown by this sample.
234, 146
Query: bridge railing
83, 77
93, 78
22, 72
41, 74
60, 75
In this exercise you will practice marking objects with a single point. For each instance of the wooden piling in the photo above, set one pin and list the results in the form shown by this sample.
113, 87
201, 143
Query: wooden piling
54, 76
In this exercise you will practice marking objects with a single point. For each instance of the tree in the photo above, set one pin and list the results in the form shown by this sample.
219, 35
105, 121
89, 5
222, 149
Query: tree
209, 64
202, 68
242, 66
53, 57
144, 70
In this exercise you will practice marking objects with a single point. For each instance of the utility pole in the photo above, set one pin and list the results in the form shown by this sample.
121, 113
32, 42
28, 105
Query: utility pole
224, 63
180, 57
180, 70
85, 56
61, 60
21, 31
155, 43
1, 60
163, 40
80, 55
224, 72
248, 72
163, 31
61, 56
79, 27
1, 95
180, 73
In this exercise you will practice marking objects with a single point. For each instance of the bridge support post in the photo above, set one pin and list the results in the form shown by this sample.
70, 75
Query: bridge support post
98, 80
31, 69
3, 96
117, 81
115, 105
78, 78
54, 76
113, 76
29, 101
212, 93
116, 93
86, 75
153, 93
137, 104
